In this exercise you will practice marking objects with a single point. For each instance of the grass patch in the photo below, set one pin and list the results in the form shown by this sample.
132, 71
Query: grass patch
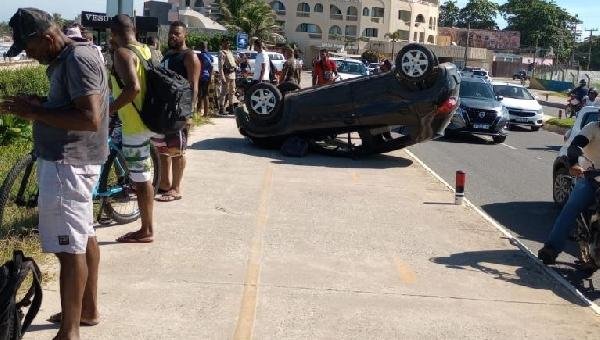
199, 120
564, 123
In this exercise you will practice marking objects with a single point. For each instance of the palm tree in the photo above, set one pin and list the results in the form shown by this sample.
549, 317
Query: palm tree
254, 17
394, 36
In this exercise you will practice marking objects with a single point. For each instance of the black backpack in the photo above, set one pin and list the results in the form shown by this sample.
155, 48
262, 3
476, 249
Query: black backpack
12, 275
168, 102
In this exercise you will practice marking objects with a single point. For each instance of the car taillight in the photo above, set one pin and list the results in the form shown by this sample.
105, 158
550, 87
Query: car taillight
447, 106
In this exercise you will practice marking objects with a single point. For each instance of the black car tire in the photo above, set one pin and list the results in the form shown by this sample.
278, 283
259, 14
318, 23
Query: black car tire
535, 128
559, 186
498, 139
287, 87
415, 64
263, 101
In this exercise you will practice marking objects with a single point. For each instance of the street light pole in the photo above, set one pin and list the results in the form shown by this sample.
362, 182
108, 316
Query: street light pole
590, 46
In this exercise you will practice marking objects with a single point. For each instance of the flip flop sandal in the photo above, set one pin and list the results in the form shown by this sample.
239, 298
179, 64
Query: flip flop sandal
130, 239
168, 198
57, 318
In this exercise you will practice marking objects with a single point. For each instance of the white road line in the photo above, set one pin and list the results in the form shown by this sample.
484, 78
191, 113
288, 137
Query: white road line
508, 146
513, 240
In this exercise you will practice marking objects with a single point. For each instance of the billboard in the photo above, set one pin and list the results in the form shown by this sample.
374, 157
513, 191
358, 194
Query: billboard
491, 40
114, 7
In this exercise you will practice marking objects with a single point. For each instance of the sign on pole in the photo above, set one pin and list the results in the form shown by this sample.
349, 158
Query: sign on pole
241, 41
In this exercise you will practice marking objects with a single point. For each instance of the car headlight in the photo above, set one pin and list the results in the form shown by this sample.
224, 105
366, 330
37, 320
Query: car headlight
504, 112
540, 111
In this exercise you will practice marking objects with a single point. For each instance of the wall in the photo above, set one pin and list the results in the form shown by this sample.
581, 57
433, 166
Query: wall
493, 40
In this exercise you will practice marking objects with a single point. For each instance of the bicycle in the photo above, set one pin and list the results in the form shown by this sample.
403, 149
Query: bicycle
114, 190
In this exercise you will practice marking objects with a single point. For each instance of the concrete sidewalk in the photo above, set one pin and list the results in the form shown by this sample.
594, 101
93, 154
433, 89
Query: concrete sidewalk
268, 247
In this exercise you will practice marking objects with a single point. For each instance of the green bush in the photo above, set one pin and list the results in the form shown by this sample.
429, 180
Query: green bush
371, 56
564, 123
21, 81
193, 40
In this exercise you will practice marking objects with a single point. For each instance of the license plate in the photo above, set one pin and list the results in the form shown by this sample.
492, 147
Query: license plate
481, 126
521, 120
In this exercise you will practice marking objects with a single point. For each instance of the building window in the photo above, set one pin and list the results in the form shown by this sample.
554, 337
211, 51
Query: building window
431, 39
404, 15
404, 35
303, 7
422, 37
371, 32
365, 12
416, 36
352, 14
308, 28
335, 31
431, 23
187, 3
420, 19
377, 12
351, 30
335, 13
278, 7
318, 8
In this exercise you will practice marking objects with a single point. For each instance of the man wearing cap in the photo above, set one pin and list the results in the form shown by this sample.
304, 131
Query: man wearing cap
70, 129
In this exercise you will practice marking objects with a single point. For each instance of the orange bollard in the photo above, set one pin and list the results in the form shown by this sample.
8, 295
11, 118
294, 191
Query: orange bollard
461, 178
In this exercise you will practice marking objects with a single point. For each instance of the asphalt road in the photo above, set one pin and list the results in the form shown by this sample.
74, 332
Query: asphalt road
512, 182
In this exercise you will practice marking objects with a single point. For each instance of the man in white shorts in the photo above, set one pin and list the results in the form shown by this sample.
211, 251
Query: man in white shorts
70, 131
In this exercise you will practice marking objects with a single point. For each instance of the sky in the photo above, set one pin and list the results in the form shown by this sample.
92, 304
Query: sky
586, 9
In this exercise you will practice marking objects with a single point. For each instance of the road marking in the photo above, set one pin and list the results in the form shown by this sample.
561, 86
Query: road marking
407, 275
245, 323
513, 240
508, 146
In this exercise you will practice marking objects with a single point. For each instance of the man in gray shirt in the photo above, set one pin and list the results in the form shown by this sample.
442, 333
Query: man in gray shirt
70, 138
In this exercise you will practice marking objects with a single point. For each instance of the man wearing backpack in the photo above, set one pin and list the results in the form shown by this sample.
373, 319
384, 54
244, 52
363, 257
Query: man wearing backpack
129, 90
182, 60
227, 68
205, 77
70, 129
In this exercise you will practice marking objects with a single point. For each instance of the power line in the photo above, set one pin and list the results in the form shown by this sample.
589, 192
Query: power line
592, 30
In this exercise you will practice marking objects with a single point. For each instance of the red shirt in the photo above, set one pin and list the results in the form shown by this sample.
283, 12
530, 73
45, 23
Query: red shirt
325, 71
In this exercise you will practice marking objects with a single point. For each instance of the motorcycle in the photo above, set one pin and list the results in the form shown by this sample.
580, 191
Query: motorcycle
573, 106
587, 230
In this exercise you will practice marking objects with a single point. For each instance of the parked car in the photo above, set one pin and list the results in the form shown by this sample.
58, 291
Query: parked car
480, 111
562, 181
482, 74
373, 68
277, 58
523, 108
389, 111
520, 75
350, 68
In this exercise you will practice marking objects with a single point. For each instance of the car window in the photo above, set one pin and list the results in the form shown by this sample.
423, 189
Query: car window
593, 116
471, 89
515, 92
351, 68
480, 73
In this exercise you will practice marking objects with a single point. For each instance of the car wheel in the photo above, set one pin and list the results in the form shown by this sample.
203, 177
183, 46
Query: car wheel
535, 128
499, 139
263, 101
561, 186
415, 63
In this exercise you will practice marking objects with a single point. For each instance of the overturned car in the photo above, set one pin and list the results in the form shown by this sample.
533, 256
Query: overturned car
411, 104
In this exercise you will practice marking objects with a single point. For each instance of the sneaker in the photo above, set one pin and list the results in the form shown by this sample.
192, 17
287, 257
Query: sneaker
547, 255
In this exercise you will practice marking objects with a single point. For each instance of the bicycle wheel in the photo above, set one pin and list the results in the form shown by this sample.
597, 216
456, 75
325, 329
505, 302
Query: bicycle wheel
19, 197
117, 189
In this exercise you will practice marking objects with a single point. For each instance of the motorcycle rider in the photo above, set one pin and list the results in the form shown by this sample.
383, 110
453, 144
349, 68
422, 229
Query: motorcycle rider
592, 98
580, 91
582, 196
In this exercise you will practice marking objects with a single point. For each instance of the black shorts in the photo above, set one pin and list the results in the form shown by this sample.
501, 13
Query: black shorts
203, 88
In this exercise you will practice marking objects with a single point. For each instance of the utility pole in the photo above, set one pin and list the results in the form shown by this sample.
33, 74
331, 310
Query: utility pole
590, 47
467, 45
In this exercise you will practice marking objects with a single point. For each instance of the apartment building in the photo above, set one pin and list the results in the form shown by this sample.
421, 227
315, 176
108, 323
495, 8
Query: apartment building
355, 25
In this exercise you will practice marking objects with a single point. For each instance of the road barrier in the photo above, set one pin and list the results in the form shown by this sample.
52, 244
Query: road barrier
460, 187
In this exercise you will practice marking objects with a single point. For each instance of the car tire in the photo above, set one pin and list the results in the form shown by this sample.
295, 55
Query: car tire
535, 128
498, 139
415, 64
263, 101
561, 189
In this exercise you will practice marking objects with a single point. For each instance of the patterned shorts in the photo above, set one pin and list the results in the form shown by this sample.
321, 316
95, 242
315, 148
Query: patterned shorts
136, 149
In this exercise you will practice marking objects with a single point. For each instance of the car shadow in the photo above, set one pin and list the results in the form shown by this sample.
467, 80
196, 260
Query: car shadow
243, 146
527, 273
43, 327
549, 148
465, 138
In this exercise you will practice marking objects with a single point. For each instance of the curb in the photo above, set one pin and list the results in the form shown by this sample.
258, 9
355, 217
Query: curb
513, 240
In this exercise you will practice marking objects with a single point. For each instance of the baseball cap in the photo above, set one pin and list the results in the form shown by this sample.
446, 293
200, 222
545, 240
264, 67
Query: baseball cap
25, 24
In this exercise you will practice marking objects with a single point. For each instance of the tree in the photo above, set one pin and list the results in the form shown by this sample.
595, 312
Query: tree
582, 53
254, 17
394, 37
542, 24
60, 21
449, 14
480, 14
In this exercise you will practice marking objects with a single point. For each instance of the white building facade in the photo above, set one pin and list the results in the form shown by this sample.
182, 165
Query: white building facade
355, 25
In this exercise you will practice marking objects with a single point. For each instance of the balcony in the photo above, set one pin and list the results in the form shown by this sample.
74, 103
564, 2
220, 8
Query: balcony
303, 14
280, 11
336, 17
315, 35
352, 17
377, 20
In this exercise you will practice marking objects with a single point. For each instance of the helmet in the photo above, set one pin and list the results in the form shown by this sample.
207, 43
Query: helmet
582, 82
593, 91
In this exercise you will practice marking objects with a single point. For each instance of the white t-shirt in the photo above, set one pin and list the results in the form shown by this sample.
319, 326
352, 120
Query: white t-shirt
592, 150
261, 58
